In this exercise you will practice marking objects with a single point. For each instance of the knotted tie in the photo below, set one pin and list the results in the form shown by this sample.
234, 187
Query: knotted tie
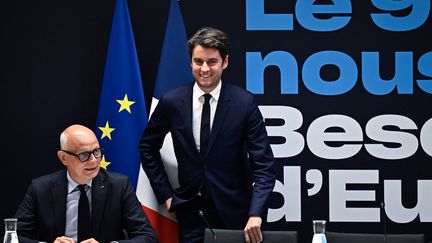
83, 215
205, 124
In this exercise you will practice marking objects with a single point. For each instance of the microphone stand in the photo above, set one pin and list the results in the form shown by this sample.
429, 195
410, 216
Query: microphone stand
201, 214
383, 216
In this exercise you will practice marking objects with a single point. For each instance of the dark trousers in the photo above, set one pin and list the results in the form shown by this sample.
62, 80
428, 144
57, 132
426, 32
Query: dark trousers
192, 224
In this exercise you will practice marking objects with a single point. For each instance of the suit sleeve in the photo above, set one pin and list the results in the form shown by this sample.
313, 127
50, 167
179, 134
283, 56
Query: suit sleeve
135, 221
150, 145
261, 159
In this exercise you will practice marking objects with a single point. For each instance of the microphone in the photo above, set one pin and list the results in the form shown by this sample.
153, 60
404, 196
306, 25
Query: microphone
384, 220
201, 214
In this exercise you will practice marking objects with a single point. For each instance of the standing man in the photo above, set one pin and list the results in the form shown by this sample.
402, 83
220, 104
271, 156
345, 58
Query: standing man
225, 163
82, 203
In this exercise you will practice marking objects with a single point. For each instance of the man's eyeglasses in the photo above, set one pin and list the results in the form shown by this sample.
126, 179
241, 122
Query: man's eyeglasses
85, 156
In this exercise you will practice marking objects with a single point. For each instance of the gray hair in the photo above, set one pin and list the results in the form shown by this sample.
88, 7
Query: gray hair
63, 140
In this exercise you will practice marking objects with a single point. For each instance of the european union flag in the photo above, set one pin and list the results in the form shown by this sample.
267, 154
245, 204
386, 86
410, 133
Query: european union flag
122, 114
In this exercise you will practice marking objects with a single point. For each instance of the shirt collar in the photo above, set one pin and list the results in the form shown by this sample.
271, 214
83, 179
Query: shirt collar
215, 93
72, 185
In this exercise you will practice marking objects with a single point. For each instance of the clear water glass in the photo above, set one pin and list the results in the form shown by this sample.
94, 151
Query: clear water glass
318, 226
10, 228
319, 231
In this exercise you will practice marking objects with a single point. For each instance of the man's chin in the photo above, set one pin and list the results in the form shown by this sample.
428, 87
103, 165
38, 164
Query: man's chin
205, 82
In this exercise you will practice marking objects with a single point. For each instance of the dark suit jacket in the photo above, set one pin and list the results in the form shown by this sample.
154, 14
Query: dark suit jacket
115, 207
238, 131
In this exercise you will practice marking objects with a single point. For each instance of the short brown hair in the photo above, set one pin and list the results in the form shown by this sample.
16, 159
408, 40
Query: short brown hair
209, 37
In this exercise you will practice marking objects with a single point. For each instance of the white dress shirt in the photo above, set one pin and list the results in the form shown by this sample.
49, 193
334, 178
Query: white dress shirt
197, 105
71, 229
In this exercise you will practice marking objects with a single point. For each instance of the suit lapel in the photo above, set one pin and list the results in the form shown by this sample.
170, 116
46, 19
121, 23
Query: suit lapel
221, 111
99, 192
59, 195
186, 103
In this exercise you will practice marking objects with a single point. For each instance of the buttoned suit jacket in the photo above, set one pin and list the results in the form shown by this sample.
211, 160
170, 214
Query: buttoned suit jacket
115, 210
238, 154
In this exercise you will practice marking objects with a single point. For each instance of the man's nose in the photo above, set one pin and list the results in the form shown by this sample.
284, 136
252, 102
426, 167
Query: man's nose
205, 67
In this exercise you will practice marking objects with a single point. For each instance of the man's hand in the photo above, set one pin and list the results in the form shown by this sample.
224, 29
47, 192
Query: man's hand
168, 203
64, 239
252, 231
91, 240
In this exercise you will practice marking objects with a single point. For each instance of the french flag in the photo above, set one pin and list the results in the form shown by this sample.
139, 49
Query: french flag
174, 70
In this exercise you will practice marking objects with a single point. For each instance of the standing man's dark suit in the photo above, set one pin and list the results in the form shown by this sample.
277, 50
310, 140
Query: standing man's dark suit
225, 163
228, 173
115, 207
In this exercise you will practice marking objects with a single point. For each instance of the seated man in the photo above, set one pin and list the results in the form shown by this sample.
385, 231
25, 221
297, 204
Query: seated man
82, 202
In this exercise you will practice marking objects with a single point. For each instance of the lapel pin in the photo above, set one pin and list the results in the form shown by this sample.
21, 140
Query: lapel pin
102, 186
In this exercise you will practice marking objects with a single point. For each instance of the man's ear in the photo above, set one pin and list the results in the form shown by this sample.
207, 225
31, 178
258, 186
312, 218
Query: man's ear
62, 157
225, 62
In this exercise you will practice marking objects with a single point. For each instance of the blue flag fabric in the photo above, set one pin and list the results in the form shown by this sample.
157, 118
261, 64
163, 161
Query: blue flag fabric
174, 65
122, 114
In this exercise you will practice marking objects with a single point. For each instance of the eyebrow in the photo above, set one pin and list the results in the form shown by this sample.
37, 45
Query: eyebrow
90, 151
210, 59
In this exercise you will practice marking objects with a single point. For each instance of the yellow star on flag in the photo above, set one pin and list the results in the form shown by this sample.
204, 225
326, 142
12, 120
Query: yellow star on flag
125, 104
106, 131
103, 163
